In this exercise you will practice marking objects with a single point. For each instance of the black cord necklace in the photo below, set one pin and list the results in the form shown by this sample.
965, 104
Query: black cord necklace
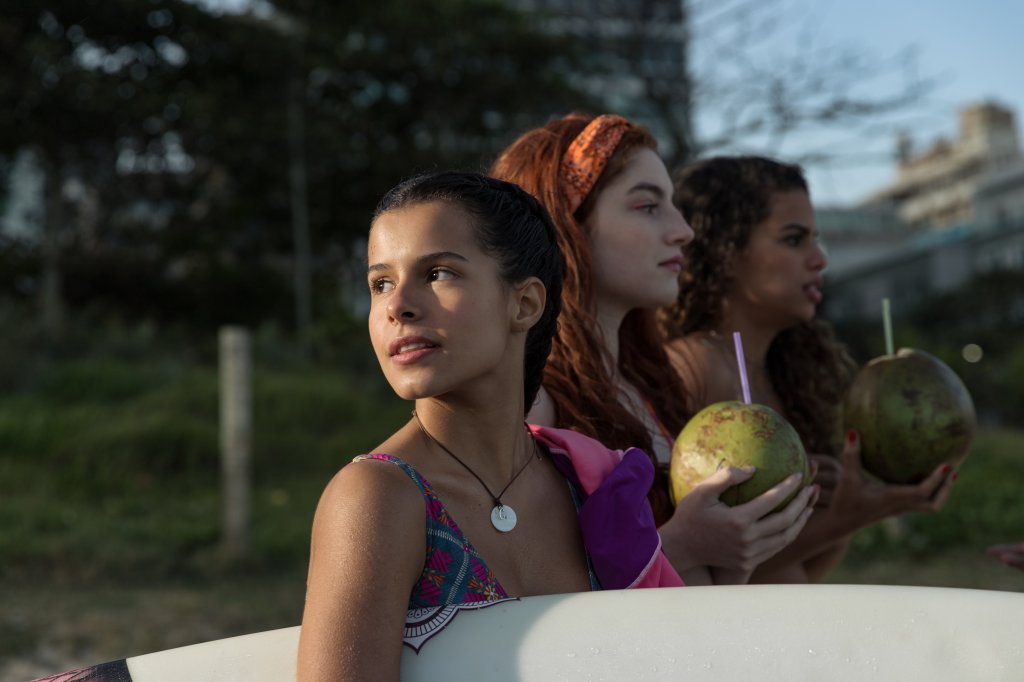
503, 517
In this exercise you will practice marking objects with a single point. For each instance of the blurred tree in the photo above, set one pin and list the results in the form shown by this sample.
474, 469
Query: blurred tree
181, 141
69, 92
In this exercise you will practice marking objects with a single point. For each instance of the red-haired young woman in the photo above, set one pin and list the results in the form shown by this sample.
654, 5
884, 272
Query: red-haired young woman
610, 197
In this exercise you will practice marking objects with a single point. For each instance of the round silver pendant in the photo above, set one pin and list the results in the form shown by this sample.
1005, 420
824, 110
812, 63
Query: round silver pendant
503, 518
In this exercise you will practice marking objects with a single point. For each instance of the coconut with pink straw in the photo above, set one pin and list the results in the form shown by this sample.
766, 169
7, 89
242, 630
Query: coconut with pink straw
740, 434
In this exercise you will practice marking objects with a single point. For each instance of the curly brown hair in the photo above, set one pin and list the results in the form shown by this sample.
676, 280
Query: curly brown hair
576, 375
724, 198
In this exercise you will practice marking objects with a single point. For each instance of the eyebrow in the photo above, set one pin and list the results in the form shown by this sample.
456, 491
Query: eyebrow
646, 187
430, 257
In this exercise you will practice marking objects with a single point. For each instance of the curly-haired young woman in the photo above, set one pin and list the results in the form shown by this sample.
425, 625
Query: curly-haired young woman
755, 266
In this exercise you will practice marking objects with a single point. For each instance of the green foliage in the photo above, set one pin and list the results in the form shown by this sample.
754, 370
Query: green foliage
174, 123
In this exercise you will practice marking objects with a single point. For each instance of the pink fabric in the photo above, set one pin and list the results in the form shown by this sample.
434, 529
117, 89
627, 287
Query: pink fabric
596, 465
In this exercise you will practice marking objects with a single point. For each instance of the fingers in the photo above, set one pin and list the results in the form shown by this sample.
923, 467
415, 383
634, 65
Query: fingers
849, 458
769, 546
726, 477
930, 495
788, 516
827, 468
771, 498
931, 485
1012, 555
941, 496
829, 472
997, 550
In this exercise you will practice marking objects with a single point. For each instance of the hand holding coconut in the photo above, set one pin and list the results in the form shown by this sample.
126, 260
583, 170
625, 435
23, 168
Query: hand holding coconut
851, 501
858, 500
734, 540
913, 413
757, 441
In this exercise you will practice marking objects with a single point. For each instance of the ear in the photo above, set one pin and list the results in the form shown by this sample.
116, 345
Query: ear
528, 300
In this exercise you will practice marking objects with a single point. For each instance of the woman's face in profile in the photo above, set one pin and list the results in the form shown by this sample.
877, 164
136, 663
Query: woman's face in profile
778, 274
636, 237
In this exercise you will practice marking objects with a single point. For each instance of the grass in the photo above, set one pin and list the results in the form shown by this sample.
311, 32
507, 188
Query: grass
109, 467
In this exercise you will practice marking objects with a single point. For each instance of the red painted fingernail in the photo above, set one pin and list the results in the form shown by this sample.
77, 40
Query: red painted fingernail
946, 468
851, 436
956, 475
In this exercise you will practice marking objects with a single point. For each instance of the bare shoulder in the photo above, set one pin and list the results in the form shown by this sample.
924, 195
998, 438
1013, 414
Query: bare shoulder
542, 413
366, 554
369, 493
704, 369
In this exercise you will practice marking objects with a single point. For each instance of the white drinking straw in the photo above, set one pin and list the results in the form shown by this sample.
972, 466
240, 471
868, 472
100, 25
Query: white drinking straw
887, 325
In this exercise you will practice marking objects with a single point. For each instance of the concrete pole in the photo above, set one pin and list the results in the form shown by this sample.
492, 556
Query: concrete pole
235, 438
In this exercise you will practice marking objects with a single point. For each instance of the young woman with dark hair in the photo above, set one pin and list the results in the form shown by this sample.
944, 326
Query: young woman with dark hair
464, 504
755, 266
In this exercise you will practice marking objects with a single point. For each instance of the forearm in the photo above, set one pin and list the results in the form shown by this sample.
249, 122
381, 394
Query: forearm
696, 576
783, 568
819, 567
823, 532
726, 576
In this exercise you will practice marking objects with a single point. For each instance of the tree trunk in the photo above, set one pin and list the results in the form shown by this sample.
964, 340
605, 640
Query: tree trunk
51, 303
298, 184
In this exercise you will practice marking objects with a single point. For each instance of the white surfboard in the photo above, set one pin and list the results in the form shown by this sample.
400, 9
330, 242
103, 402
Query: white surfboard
763, 632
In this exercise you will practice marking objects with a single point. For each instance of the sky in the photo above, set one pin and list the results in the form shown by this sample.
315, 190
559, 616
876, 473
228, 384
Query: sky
974, 50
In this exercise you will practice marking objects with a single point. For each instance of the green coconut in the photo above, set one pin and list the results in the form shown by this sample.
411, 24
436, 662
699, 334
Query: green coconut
913, 413
733, 433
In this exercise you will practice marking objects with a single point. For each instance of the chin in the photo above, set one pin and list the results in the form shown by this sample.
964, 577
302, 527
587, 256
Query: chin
807, 316
665, 300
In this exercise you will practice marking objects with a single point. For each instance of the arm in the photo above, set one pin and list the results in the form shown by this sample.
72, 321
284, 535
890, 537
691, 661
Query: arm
856, 503
814, 568
1011, 555
367, 551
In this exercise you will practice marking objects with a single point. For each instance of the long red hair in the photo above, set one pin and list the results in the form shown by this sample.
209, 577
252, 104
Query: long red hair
576, 375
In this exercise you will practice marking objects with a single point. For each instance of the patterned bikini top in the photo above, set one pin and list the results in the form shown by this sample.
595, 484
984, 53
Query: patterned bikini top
453, 571
455, 577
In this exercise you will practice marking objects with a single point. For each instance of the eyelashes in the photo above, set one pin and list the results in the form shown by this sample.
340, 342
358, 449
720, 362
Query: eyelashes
383, 285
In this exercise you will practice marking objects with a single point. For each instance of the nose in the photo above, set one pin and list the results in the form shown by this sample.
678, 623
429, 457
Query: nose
818, 260
680, 232
402, 306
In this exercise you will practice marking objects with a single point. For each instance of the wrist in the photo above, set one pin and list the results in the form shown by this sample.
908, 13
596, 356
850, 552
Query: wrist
676, 549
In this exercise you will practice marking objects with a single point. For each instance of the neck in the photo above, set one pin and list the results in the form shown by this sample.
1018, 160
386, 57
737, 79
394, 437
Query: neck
756, 337
489, 438
609, 321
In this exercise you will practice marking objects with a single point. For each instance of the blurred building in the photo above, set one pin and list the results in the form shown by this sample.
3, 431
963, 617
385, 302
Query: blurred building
955, 211
924, 265
939, 187
858, 236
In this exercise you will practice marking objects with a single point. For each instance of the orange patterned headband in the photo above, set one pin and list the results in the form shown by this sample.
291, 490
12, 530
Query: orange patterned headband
586, 157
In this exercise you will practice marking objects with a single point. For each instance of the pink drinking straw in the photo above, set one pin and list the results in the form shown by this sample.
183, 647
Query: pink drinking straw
743, 366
